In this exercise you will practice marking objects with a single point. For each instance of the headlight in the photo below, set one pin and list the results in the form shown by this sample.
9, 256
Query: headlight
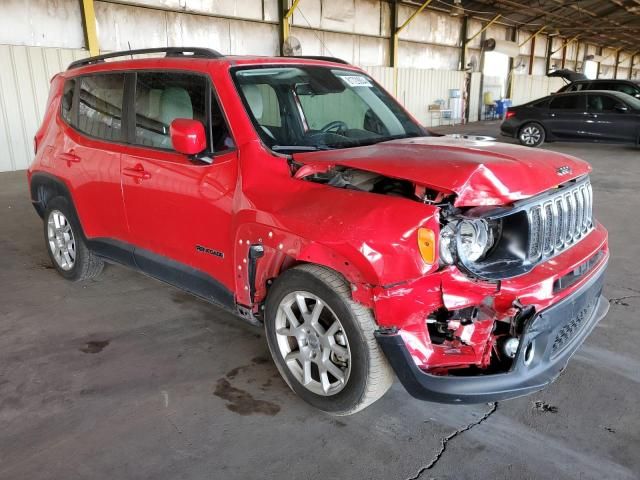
466, 240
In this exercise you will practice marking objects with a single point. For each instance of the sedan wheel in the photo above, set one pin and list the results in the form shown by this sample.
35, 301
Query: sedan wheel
531, 135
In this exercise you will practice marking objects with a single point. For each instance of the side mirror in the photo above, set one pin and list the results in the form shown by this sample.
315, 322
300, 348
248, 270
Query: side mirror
622, 108
188, 136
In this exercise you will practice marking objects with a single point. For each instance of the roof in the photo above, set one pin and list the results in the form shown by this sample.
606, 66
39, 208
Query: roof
607, 23
195, 53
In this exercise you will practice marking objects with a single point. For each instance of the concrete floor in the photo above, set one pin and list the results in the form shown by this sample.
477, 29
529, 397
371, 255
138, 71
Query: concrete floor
125, 377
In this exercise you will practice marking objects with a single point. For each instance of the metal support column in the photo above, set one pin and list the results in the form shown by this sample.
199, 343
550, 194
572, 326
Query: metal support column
285, 14
89, 27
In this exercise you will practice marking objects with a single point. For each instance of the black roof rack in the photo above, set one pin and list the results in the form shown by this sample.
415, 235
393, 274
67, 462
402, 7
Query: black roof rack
190, 52
321, 57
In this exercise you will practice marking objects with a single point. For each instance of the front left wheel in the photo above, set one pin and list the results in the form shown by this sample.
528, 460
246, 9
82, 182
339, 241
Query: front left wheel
323, 343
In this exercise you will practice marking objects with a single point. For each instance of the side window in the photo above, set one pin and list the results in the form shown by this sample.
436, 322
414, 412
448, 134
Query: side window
161, 97
624, 88
66, 103
601, 103
569, 102
100, 106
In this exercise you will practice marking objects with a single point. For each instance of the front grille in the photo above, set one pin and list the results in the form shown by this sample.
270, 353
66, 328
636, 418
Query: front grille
559, 220
572, 327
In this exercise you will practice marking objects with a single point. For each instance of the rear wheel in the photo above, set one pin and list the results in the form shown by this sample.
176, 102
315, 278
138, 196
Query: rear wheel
531, 134
322, 341
65, 243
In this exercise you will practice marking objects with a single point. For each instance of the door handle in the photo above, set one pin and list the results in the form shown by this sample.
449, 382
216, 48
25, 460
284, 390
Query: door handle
138, 172
552, 114
68, 157
592, 115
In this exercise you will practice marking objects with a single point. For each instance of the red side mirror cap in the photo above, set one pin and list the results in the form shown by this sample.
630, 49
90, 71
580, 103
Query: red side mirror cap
188, 136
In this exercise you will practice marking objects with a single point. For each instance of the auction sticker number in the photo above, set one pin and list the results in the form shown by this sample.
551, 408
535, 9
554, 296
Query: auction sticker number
356, 80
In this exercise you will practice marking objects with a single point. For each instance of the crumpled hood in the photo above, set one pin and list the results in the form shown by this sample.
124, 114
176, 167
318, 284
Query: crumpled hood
479, 172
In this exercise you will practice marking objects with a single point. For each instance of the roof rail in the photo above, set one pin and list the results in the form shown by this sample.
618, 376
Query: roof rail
169, 51
321, 57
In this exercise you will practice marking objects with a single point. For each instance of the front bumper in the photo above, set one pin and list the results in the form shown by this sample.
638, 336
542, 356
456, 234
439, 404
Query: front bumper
556, 333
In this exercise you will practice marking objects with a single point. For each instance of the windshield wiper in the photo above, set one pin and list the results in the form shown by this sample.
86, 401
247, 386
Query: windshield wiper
298, 148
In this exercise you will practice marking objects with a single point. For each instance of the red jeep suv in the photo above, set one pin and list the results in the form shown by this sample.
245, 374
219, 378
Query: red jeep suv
300, 195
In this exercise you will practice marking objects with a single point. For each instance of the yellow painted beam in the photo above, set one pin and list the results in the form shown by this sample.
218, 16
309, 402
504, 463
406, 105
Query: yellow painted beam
414, 15
571, 40
89, 24
531, 37
286, 28
483, 29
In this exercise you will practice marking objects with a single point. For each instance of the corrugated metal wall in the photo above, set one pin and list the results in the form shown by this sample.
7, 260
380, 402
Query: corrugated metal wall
24, 88
418, 88
529, 87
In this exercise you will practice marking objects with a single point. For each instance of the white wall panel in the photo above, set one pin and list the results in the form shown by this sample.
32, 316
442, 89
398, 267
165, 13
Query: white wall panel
249, 9
529, 87
420, 55
197, 31
53, 23
382, 75
253, 38
24, 89
418, 88
120, 26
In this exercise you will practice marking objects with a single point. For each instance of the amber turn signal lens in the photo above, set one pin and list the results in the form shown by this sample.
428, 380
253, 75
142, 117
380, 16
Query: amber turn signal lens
427, 245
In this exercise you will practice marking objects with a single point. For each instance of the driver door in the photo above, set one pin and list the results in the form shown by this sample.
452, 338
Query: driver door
178, 208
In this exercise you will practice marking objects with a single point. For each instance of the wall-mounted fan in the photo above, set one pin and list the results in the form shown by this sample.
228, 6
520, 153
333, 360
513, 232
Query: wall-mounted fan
292, 47
473, 64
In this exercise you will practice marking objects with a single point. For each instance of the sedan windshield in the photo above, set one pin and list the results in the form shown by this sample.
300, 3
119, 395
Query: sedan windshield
298, 108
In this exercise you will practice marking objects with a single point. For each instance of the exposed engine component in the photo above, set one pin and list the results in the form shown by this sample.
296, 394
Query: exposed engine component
354, 179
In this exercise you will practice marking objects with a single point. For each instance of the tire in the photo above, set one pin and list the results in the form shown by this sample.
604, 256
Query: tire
531, 134
354, 351
65, 243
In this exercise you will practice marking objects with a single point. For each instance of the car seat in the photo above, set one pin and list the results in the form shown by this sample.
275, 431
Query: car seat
253, 96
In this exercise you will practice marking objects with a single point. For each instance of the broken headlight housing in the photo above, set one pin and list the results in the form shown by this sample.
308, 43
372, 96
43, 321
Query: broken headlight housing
466, 240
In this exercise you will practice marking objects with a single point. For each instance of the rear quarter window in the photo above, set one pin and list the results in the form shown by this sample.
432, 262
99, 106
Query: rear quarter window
100, 106
66, 103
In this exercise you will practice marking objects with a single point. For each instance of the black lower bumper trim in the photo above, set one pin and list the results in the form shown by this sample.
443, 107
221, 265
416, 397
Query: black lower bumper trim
587, 304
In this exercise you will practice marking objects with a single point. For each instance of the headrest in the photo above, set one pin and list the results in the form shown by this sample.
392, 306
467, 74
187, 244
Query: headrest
175, 103
254, 98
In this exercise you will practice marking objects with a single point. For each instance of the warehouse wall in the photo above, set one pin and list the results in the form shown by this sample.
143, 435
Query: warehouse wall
40, 37
24, 88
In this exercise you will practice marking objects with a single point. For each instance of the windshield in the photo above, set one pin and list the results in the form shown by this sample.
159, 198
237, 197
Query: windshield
297, 108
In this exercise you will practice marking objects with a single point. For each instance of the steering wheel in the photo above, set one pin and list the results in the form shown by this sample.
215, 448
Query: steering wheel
338, 125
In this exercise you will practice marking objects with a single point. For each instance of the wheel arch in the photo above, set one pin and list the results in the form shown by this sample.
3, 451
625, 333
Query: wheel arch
281, 251
43, 187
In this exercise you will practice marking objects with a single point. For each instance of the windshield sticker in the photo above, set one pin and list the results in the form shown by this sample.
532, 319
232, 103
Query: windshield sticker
356, 80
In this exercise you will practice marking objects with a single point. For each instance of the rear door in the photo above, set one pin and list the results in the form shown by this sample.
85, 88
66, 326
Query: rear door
566, 117
607, 122
89, 153
179, 208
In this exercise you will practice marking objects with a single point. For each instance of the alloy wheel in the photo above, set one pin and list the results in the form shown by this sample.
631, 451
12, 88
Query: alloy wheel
530, 135
61, 240
313, 343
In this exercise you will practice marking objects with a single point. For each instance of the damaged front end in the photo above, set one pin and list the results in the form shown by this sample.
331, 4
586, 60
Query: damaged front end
513, 290
502, 328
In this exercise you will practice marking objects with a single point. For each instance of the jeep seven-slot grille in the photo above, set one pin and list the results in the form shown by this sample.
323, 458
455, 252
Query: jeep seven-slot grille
559, 220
